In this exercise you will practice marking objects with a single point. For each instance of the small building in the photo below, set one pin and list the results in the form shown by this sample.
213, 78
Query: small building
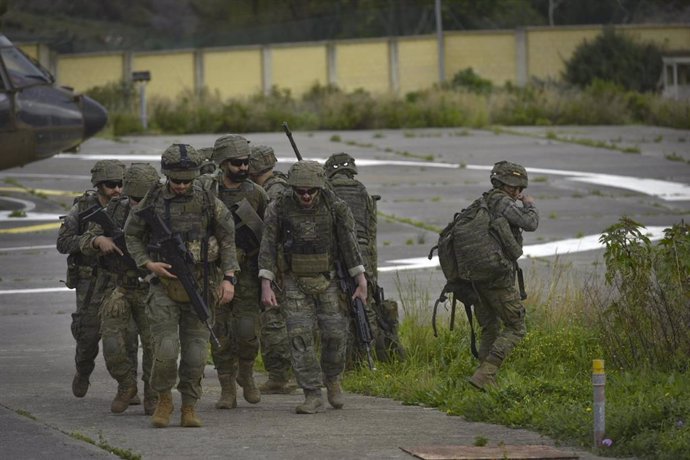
675, 76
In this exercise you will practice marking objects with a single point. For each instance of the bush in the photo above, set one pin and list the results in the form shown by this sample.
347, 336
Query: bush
615, 58
645, 321
468, 80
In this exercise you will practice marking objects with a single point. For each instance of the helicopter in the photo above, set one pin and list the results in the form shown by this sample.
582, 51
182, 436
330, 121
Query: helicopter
38, 118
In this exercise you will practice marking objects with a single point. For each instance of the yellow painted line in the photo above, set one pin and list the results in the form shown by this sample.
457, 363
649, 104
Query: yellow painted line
31, 228
37, 191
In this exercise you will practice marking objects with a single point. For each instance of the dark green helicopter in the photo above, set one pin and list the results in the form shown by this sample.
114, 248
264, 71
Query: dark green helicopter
39, 119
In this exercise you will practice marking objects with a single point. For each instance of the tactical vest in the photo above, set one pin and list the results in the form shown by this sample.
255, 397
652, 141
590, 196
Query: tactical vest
85, 201
248, 225
191, 216
355, 194
307, 235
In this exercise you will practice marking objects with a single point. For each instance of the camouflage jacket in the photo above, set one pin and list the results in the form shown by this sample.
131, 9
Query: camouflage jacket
70, 230
343, 241
519, 217
276, 185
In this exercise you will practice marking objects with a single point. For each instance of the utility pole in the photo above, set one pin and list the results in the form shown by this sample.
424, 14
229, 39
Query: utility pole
441, 46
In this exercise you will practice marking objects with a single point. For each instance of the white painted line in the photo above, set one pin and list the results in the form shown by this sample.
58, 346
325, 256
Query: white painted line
28, 248
569, 246
30, 217
35, 291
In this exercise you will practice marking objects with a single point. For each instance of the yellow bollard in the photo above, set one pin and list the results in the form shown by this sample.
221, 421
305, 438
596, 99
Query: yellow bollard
599, 406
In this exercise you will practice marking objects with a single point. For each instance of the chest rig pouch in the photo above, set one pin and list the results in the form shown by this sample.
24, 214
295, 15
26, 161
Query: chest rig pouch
308, 245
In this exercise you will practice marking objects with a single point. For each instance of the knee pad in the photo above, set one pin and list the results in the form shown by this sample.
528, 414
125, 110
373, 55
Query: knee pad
195, 353
246, 328
168, 348
111, 345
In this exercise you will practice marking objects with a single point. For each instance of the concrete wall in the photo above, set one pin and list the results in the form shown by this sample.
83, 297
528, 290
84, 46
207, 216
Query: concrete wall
396, 64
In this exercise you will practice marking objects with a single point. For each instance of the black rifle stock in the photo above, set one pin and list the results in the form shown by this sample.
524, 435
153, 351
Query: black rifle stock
174, 251
359, 314
111, 230
286, 128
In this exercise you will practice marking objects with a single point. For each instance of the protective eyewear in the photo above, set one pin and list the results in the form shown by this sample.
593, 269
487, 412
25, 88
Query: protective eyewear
180, 181
113, 183
239, 161
306, 191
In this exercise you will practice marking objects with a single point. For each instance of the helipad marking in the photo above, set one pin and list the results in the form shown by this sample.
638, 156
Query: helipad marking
30, 228
568, 246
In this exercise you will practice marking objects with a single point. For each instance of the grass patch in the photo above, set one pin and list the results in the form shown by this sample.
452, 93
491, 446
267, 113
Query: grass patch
122, 453
26, 414
545, 384
408, 221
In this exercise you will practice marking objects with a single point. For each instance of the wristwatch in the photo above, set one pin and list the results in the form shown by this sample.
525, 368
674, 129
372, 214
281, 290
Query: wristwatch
231, 278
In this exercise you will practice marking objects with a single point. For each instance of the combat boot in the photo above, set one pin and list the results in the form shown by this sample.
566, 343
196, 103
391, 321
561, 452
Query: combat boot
125, 392
164, 408
484, 377
245, 378
188, 418
334, 394
312, 402
228, 392
136, 400
150, 399
80, 385
276, 387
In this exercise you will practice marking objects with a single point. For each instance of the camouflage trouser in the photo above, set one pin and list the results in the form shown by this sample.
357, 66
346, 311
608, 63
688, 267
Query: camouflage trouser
176, 331
275, 347
90, 289
237, 324
123, 315
500, 304
302, 312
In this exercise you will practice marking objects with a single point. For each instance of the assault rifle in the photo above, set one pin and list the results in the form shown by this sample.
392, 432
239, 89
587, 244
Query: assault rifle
292, 141
174, 251
359, 314
110, 229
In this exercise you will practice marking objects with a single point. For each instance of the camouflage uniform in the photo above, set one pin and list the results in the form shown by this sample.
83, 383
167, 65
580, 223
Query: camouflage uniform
340, 169
237, 322
123, 313
82, 275
499, 300
275, 348
197, 216
311, 239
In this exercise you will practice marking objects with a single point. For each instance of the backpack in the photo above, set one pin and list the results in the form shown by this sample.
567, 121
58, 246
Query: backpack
470, 247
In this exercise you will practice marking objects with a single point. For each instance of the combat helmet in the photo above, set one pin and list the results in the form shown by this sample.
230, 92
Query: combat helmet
139, 178
261, 159
181, 161
107, 170
340, 162
230, 146
509, 173
208, 165
306, 173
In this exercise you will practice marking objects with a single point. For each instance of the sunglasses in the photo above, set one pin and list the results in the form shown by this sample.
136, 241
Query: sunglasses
113, 183
180, 181
306, 191
239, 161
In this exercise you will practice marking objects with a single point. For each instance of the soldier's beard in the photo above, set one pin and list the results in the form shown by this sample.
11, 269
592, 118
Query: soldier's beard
241, 176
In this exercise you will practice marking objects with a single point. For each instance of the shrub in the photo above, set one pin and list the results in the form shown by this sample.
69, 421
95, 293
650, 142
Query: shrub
616, 58
468, 80
646, 319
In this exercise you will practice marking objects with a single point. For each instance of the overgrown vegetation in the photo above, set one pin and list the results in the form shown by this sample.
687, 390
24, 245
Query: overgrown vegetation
545, 384
469, 104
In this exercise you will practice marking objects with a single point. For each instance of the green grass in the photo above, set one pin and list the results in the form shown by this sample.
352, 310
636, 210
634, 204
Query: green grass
545, 384
122, 453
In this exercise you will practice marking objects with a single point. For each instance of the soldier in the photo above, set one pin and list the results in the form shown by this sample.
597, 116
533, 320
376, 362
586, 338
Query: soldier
237, 323
123, 313
275, 348
340, 170
106, 177
311, 227
499, 301
208, 166
205, 227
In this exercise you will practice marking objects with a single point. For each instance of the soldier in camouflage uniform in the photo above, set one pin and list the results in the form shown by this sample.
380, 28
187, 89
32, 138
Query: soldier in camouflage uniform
237, 323
205, 226
312, 227
106, 177
123, 313
208, 166
275, 348
340, 170
499, 301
